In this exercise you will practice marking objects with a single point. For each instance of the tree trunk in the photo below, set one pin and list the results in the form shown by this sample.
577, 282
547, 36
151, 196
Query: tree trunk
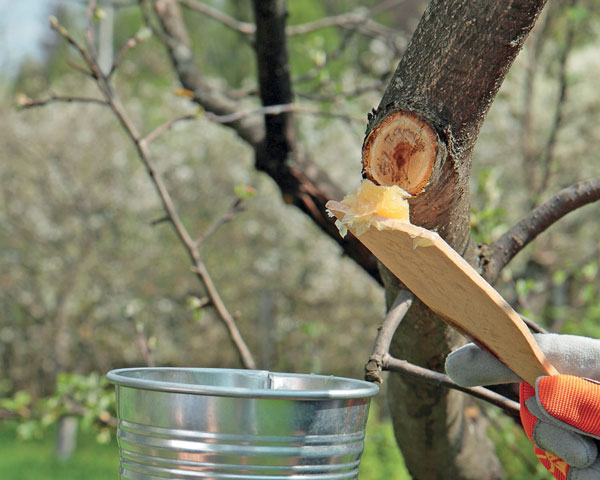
421, 138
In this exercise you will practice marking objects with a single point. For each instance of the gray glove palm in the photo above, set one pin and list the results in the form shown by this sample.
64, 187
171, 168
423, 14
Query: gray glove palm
571, 355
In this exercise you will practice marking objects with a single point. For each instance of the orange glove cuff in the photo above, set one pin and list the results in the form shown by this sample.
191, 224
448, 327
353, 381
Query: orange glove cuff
572, 400
554, 464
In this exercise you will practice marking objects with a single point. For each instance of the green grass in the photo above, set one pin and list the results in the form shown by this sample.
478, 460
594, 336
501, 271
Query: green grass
35, 459
381, 459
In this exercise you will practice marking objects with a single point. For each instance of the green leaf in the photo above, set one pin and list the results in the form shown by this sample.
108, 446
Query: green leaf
244, 192
577, 14
99, 14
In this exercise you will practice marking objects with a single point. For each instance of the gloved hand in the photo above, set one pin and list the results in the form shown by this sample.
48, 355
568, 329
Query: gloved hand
561, 413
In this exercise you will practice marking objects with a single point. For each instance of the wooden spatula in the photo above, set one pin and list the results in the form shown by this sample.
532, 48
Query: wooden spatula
449, 286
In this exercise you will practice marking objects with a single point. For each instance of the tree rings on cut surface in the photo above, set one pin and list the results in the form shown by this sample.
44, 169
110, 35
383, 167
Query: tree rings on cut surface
401, 151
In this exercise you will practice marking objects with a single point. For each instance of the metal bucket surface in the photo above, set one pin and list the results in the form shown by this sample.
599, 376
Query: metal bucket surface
195, 423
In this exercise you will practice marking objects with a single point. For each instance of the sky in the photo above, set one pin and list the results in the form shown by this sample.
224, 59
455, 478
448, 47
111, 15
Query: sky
23, 27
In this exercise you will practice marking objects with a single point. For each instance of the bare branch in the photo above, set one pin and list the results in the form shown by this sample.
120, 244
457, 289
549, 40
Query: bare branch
228, 216
176, 39
385, 334
148, 139
359, 22
158, 221
228, 319
537, 221
83, 52
277, 110
380, 359
144, 154
244, 28
307, 185
143, 344
79, 68
548, 155
407, 368
24, 102
89, 32
533, 326
129, 44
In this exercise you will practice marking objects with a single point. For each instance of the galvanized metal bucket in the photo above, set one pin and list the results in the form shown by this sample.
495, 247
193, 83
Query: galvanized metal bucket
193, 423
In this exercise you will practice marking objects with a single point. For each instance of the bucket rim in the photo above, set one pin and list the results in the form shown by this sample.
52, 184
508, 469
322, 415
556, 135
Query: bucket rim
354, 388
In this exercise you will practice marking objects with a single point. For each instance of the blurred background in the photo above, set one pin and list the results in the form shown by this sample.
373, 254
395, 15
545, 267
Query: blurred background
91, 279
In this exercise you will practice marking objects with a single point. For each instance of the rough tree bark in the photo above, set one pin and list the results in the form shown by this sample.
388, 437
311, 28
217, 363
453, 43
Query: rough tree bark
421, 138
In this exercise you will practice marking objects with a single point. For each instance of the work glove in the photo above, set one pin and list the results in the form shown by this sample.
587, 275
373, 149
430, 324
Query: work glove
560, 413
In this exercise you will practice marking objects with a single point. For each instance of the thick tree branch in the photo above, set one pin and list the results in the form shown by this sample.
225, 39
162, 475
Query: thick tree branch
279, 155
535, 222
421, 137
300, 180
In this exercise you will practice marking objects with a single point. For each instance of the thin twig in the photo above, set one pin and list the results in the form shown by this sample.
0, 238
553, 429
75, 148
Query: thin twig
145, 8
527, 114
83, 52
548, 154
228, 319
385, 334
167, 126
244, 28
533, 326
278, 109
236, 116
407, 368
335, 54
537, 221
144, 154
143, 344
344, 20
228, 216
79, 68
158, 221
89, 32
129, 44
25, 102
359, 22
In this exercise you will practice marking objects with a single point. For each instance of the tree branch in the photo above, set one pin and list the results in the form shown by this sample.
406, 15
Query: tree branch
129, 45
142, 149
226, 217
176, 39
301, 181
536, 222
24, 102
244, 28
380, 359
548, 154
385, 334
360, 20
407, 368
143, 344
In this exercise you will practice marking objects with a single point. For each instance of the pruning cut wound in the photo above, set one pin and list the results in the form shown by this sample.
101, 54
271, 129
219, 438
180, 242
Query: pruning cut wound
401, 151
